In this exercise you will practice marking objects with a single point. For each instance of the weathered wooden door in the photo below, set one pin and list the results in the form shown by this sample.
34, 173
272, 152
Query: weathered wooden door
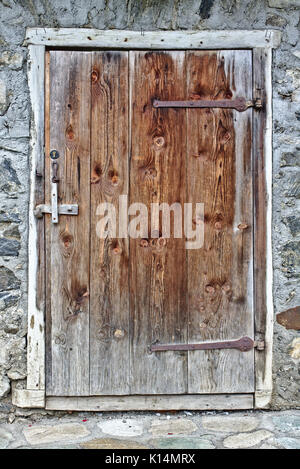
109, 299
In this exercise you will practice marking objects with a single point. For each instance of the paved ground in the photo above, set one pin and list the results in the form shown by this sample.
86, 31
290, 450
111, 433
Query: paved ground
181, 430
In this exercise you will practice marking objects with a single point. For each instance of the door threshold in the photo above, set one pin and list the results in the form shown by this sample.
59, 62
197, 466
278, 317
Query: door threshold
152, 402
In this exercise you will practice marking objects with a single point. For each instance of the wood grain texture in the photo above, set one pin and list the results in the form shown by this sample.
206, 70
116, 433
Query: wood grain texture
152, 403
28, 398
157, 266
219, 175
36, 239
48, 317
262, 191
70, 104
259, 187
109, 297
122, 39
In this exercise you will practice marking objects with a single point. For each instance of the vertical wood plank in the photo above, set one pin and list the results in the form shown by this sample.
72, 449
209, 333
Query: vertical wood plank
262, 186
70, 100
36, 239
220, 176
259, 128
157, 266
109, 322
48, 317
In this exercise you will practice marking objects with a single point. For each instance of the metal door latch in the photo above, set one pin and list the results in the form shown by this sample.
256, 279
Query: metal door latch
244, 344
55, 209
63, 209
239, 104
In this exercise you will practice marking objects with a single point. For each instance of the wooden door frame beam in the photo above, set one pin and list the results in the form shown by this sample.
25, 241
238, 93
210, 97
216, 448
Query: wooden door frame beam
122, 39
37, 40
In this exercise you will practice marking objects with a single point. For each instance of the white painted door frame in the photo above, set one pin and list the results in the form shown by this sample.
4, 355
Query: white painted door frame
38, 39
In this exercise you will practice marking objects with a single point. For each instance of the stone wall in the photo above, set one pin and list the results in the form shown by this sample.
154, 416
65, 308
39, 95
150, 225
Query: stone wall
15, 16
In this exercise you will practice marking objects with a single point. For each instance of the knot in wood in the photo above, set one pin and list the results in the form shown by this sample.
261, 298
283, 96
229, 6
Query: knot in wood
150, 173
67, 240
159, 141
60, 339
144, 243
242, 226
70, 135
161, 242
94, 76
226, 287
115, 180
117, 250
119, 334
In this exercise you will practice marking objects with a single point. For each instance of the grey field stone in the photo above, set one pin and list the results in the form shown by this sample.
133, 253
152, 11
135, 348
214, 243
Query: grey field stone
290, 255
4, 386
9, 247
11, 60
112, 443
246, 440
8, 280
5, 438
267, 446
9, 217
287, 423
293, 186
173, 427
289, 443
9, 181
284, 3
290, 159
12, 232
122, 427
276, 20
293, 224
15, 373
49, 447
3, 98
227, 424
182, 443
9, 299
40, 435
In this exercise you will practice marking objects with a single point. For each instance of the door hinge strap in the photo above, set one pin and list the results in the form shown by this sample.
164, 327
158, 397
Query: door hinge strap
244, 344
64, 209
240, 104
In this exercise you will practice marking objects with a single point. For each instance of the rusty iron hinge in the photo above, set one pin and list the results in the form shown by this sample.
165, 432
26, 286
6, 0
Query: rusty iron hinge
240, 104
244, 344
